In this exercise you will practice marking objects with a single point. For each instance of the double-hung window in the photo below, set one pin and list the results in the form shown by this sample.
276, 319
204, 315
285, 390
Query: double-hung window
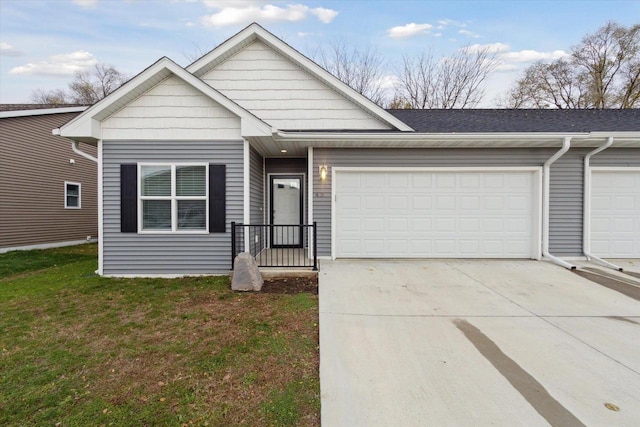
173, 197
71, 195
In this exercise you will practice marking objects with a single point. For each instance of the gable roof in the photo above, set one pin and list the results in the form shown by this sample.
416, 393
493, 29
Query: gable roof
505, 121
255, 32
86, 126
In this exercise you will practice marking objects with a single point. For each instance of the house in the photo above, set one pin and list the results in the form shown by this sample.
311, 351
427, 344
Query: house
256, 133
48, 193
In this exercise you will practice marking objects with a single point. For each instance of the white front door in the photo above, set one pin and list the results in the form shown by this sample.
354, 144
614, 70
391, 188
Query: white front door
437, 213
615, 212
286, 210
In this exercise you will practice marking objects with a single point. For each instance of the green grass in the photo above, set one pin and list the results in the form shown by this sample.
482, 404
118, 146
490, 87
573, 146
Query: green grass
78, 349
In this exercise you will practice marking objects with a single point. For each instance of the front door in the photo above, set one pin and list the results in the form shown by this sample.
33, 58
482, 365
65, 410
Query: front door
286, 210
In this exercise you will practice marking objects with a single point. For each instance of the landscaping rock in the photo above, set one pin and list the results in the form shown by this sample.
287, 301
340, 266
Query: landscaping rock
246, 275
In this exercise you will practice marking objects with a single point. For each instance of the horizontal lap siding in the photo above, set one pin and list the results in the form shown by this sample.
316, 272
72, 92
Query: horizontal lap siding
617, 157
34, 165
256, 188
138, 254
566, 183
566, 194
283, 94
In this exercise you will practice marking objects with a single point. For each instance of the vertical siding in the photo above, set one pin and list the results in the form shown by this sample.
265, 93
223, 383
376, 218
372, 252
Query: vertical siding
566, 183
172, 109
257, 188
137, 254
33, 167
283, 94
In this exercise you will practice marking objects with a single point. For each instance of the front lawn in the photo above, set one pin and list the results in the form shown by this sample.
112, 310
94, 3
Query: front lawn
77, 349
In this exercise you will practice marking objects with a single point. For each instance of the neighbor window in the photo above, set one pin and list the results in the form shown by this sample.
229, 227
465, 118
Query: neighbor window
173, 197
71, 195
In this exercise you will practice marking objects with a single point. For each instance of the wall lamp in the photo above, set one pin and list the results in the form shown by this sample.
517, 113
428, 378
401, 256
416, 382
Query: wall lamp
323, 172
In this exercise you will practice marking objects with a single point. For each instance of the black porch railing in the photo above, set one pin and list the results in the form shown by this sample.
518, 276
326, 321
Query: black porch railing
276, 245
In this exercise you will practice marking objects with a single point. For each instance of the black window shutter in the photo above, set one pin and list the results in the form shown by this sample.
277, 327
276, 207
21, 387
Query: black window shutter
217, 196
129, 198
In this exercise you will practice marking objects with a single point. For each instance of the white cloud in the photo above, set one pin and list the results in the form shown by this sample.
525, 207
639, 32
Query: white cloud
409, 30
490, 48
7, 50
444, 22
58, 65
532, 55
86, 3
469, 34
324, 15
244, 12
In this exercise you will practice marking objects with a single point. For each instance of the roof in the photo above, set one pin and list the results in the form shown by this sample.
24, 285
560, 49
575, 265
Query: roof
24, 110
16, 107
505, 121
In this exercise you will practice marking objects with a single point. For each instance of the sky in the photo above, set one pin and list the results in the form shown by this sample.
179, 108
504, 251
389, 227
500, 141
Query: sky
44, 43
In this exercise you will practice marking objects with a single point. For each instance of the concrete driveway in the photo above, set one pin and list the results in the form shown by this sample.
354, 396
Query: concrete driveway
475, 343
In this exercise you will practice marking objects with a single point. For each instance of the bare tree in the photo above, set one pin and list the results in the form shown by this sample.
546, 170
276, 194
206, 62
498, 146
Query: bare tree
52, 97
449, 82
603, 71
91, 87
88, 87
362, 70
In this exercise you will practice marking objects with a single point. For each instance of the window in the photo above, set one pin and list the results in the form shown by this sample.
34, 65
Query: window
173, 198
71, 195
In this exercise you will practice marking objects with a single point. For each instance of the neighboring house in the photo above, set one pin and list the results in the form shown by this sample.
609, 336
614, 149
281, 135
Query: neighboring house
254, 132
48, 193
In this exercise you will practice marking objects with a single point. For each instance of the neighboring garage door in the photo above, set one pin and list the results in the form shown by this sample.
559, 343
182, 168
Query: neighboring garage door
437, 213
615, 212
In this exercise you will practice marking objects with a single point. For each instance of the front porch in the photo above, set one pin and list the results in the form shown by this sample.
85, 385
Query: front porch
276, 246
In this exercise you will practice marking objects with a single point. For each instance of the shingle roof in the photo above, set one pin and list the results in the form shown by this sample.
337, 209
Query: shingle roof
480, 120
21, 107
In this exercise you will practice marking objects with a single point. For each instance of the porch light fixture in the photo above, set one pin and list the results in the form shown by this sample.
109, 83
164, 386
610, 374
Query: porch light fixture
323, 172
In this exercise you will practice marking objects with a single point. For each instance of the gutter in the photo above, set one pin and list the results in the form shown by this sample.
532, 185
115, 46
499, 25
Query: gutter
74, 147
566, 144
279, 135
586, 215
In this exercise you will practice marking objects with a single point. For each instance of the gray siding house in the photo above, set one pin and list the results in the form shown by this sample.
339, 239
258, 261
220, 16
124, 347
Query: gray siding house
256, 133
48, 193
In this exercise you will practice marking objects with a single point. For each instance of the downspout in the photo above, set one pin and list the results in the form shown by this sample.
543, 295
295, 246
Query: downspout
586, 236
566, 144
74, 147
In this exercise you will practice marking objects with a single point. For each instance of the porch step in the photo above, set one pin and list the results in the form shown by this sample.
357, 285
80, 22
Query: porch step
272, 273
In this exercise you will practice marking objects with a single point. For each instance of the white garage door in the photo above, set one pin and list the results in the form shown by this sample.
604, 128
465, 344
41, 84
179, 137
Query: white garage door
615, 213
437, 214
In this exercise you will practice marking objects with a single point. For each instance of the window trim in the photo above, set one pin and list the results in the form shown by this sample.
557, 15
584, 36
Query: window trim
66, 206
173, 198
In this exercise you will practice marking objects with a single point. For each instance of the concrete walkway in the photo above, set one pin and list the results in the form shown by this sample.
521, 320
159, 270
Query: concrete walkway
475, 343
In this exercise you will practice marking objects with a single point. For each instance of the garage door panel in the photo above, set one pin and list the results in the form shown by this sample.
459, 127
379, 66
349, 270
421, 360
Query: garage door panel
615, 213
437, 214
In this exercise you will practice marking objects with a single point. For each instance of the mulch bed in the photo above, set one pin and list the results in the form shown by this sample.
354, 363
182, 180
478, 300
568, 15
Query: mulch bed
291, 285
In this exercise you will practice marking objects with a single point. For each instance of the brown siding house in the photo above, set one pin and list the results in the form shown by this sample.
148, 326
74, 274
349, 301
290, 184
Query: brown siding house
48, 193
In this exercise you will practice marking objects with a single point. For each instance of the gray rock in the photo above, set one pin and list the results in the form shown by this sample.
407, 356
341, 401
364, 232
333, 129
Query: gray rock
246, 275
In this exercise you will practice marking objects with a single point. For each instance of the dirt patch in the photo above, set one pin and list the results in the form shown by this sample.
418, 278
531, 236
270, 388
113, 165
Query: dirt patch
291, 285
